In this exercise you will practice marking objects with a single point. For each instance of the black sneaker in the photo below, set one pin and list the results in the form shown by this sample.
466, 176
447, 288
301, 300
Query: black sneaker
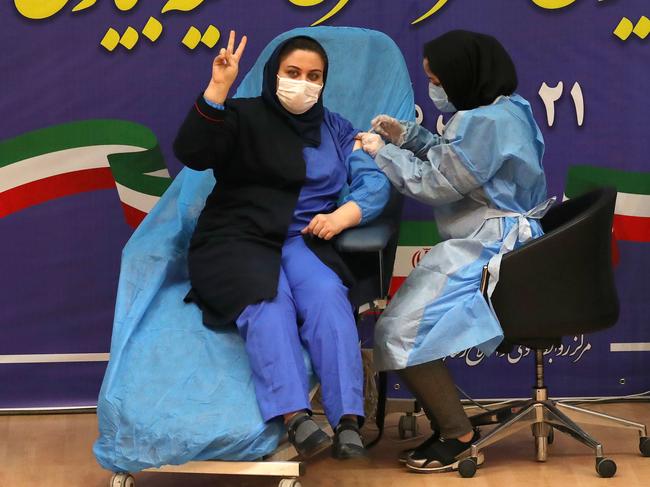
443, 455
404, 455
343, 450
315, 443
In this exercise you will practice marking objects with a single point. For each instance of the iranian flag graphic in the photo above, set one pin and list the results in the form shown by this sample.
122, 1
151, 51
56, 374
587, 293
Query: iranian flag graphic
415, 239
83, 156
632, 213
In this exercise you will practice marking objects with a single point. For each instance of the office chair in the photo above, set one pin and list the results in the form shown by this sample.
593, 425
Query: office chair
558, 285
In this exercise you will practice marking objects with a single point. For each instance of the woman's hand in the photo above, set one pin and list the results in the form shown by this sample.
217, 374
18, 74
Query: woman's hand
224, 70
324, 226
371, 143
327, 226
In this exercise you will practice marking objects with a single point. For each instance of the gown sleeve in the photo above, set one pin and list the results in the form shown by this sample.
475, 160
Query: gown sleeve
453, 167
419, 140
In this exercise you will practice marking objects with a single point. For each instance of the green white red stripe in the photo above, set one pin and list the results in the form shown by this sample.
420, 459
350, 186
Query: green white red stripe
632, 213
83, 156
415, 239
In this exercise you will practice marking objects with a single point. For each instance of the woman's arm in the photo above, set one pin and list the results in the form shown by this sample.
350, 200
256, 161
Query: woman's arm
369, 188
208, 134
369, 191
207, 137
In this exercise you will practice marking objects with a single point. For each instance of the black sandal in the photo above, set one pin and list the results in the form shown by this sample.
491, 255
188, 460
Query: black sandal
314, 443
348, 451
443, 456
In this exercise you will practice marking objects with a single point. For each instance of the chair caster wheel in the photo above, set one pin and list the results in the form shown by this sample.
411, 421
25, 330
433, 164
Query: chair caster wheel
289, 483
121, 480
407, 424
551, 436
467, 467
644, 446
605, 467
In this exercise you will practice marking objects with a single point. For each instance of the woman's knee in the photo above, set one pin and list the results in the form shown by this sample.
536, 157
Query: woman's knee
269, 315
322, 293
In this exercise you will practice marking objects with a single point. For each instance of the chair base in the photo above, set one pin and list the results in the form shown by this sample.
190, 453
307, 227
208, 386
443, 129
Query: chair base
543, 416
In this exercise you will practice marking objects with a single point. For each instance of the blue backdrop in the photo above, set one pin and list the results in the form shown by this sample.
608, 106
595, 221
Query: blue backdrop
63, 229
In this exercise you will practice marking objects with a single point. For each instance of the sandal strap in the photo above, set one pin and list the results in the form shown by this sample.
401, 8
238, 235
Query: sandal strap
440, 455
295, 422
443, 452
348, 426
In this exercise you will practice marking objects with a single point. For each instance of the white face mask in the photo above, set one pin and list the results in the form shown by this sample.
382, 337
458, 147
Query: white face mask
297, 96
439, 98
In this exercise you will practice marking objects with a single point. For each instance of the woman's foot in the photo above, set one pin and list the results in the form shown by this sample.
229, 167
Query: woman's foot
406, 454
347, 441
306, 436
442, 456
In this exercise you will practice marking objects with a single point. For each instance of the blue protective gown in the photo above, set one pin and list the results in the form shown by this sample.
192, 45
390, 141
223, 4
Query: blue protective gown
485, 181
312, 308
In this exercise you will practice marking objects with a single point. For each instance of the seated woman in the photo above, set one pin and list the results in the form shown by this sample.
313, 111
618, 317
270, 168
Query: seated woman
288, 181
485, 181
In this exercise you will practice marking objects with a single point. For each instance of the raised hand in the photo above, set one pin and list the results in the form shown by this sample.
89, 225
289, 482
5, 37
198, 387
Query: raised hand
224, 69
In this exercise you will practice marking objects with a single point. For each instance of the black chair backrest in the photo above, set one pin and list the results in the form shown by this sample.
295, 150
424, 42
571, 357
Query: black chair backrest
561, 283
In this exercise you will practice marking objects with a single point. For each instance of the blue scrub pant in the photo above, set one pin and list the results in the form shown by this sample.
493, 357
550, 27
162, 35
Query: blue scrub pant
312, 310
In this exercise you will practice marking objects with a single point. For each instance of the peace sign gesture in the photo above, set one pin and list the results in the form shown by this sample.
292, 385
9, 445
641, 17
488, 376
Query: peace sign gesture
224, 69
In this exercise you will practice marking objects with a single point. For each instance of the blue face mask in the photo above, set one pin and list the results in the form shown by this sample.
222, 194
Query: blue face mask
439, 98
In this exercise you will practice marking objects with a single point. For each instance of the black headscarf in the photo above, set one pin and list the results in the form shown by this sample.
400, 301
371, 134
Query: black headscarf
307, 125
474, 69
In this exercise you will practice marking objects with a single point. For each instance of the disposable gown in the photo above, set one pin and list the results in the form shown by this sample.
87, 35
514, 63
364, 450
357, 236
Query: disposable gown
485, 182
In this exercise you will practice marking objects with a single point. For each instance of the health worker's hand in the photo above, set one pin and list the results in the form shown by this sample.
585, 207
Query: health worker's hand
389, 128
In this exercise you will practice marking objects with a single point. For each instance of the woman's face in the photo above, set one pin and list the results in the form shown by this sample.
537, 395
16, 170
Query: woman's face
432, 77
302, 65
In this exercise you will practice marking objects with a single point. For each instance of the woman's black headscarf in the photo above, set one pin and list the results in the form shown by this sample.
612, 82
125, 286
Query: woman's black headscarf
474, 69
307, 125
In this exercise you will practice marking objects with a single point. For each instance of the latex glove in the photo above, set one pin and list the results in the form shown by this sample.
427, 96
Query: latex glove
389, 128
371, 143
